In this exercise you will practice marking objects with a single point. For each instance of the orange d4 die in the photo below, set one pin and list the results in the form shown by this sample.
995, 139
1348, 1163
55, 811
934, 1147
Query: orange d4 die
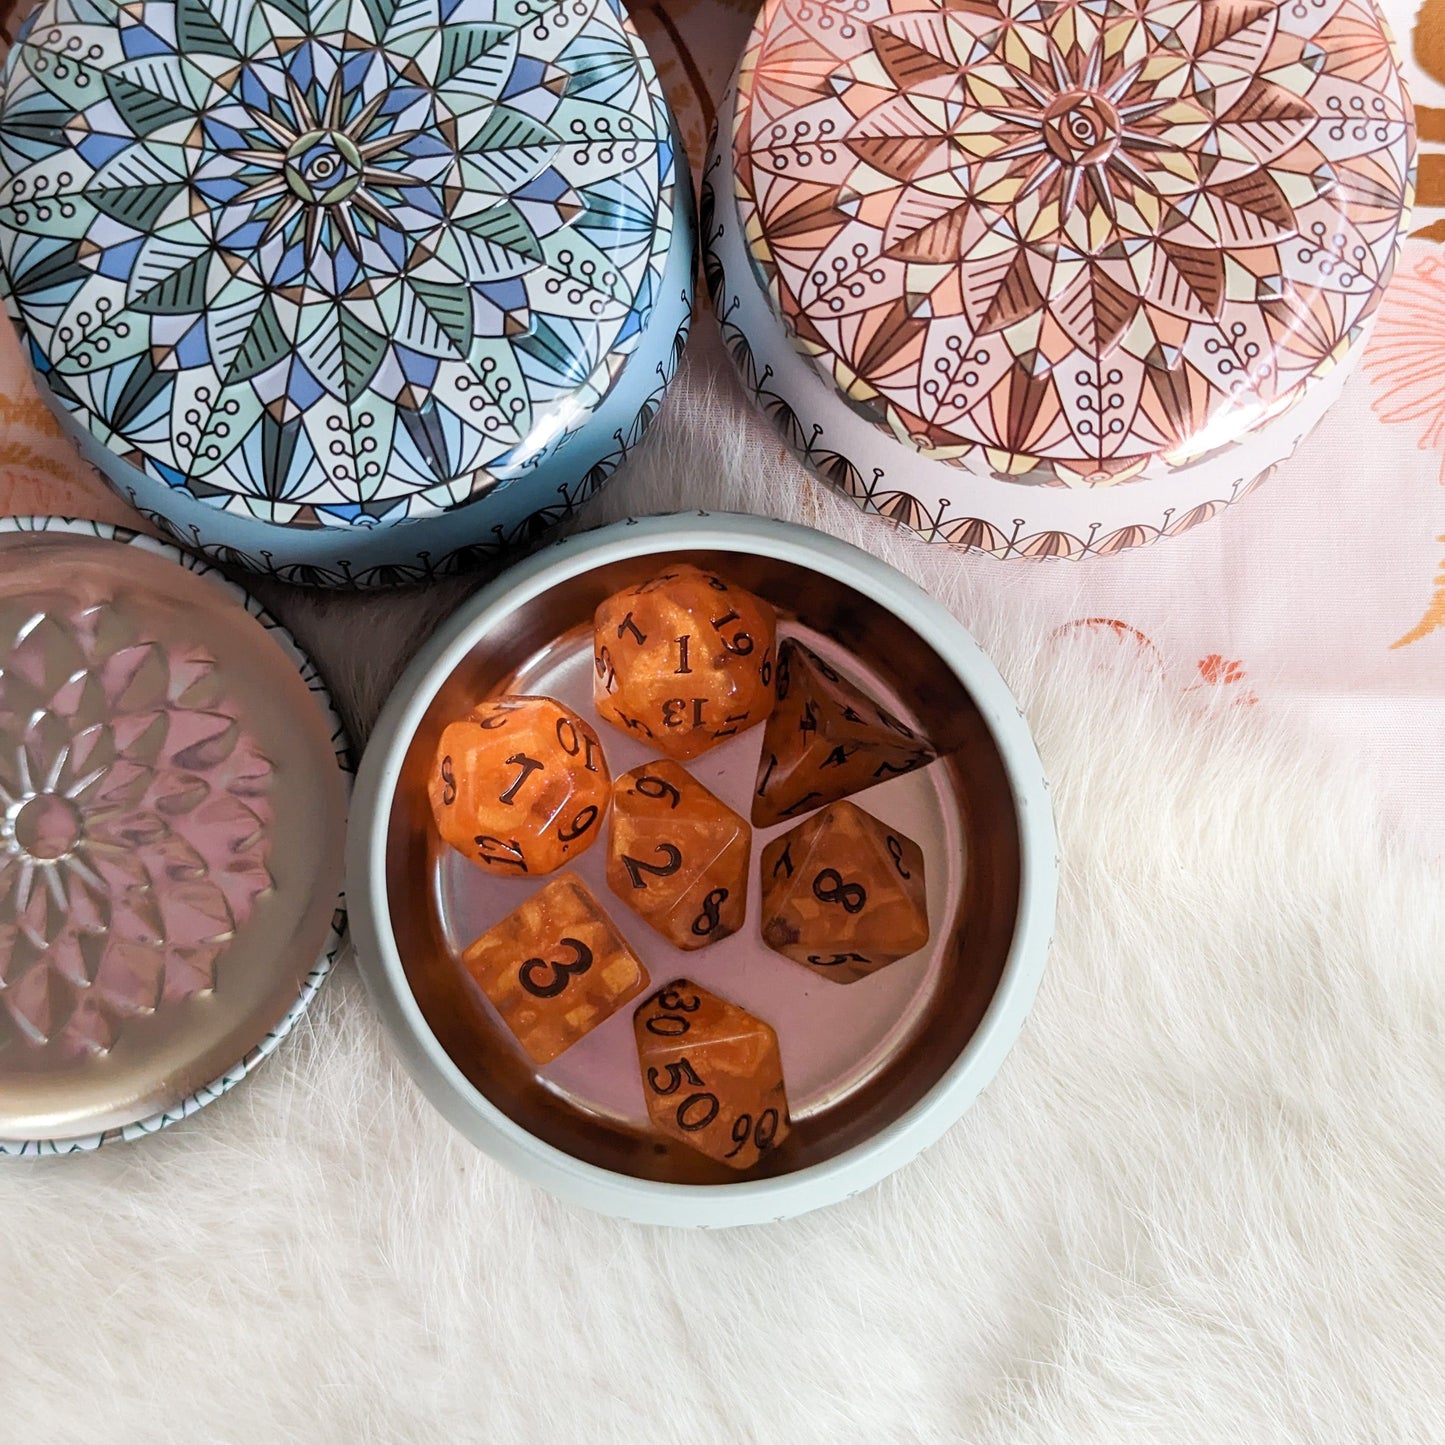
677, 855
684, 660
844, 894
520, 786
826, 740
712, 1074
555, 968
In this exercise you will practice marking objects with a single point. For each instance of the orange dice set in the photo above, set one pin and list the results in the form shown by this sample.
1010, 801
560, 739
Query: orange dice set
712, 1074
844, 894
520, 785
684, 661
825, 740
555, 967
678, 856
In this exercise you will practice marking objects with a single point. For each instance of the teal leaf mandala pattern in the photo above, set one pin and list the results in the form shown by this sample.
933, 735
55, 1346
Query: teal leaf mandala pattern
332, 264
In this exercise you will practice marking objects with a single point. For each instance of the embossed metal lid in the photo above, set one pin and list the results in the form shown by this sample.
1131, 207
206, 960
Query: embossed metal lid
1086, 239
332, 264
173, 786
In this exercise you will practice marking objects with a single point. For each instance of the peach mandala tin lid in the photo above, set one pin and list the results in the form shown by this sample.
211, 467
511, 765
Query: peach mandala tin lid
173, 792
1087, 239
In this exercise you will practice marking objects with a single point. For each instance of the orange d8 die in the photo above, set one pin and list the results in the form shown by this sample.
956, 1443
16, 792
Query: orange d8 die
555, 968
684, 660
677, 855
843, 893
520, 786
712, 1074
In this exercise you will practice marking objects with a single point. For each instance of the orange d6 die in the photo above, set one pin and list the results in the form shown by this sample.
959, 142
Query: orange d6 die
843, 893
555, 968
677, 855
712, 1074
684, 660
520, 786
825, 740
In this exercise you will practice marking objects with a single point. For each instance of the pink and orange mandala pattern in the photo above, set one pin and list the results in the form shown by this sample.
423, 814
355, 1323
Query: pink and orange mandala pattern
1088, 239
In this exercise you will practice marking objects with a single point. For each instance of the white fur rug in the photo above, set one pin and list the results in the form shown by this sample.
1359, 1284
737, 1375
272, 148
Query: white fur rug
1203, 1202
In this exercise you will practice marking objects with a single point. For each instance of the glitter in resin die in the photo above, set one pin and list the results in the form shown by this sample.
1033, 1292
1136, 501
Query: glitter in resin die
520, 786
844, 894
712, 1074
684, 660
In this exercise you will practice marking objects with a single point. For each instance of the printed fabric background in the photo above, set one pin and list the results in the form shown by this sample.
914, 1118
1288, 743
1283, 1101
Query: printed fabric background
1321, 597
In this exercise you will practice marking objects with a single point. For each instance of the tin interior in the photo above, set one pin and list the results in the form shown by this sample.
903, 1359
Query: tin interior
856, 1057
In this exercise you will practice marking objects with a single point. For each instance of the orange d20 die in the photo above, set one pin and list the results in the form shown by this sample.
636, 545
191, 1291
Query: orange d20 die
555, 968
712, 1074
520, 786
844, 894
684, 660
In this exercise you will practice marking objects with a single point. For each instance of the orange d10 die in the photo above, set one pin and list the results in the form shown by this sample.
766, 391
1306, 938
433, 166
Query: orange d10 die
684, 660
712, 1074
678, 856
844, 894
520, 786
555, 968
826, 740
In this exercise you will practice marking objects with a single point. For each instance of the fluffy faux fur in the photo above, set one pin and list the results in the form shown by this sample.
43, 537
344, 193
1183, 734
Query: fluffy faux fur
1201, 1204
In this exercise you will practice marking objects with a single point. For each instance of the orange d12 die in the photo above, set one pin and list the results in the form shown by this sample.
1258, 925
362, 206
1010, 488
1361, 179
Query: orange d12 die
826, 740
555, 968
520, 786
684, 660
712, 1074
844, 894
677, 855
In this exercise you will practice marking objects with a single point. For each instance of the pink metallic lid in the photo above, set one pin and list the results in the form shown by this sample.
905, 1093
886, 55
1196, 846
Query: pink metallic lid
1089, 239
172, 809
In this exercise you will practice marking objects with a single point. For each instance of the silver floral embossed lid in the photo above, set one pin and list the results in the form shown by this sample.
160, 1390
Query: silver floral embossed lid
173, 787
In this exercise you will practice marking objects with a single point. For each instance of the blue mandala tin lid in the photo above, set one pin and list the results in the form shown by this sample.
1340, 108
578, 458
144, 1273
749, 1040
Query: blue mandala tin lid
326, 264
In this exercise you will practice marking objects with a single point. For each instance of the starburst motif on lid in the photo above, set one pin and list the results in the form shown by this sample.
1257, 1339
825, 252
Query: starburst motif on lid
133, 824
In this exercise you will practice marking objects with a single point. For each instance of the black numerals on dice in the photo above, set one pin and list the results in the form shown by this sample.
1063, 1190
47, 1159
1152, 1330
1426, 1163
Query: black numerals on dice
696, 1111
760, 1133
671, 862
828, 887
836, 959
585, 818
674, 712
784, 862
886, 769
707, 921
895, 852
573, 742
606, 673
527, 766
682, 669
767, 773
449, 782
494, 850
676, 1074
741, 644
836, 758
765, 668
628, 625
671, 1021
733, 719
530, 974
651, 787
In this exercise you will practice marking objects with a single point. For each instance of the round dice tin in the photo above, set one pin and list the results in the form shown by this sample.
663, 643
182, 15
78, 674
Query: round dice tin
173, 788
1061, 279
875, 1070
352, 294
